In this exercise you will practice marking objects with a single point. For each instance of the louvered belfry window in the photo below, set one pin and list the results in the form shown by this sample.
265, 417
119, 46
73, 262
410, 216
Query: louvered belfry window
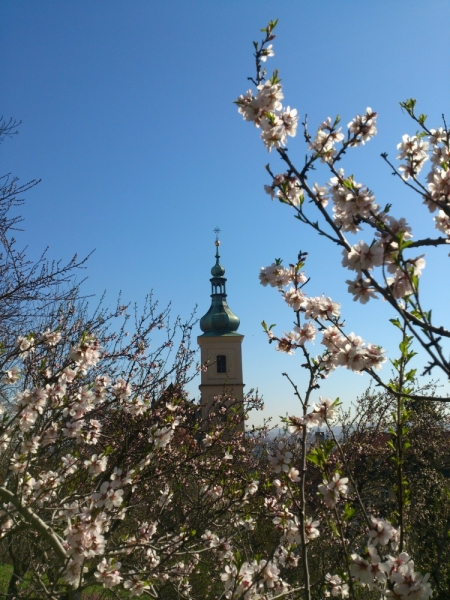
221, 362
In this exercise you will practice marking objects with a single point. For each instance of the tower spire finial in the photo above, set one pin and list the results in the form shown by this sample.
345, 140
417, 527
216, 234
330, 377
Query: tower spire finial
217, 244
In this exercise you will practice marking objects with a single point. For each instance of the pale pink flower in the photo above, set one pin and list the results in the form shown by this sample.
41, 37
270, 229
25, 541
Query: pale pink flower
307, 333
363, 257
311, 529
108, 573
360, 570
161, 437
96, 464
400, 284
135, 586
333, 490
290, 120
288, 343
443, 222
270, 573
324, 411
381, 533
293, 474
361, 289
296, 425
280, 458
294, 298
338, 588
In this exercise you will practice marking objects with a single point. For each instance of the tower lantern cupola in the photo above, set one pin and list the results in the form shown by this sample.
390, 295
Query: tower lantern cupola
219, 320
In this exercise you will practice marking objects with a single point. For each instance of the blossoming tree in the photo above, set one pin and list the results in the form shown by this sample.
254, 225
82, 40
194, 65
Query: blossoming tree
108, 477
386, 265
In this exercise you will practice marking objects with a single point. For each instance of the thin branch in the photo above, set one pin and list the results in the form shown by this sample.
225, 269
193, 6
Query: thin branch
32, 518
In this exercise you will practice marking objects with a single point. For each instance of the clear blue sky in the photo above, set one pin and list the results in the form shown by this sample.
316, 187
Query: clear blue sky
128, 119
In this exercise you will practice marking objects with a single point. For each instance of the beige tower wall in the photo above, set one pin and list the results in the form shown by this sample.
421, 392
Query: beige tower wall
213, 383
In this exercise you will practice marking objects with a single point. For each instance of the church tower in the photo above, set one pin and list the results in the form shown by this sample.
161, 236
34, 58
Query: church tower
220, 345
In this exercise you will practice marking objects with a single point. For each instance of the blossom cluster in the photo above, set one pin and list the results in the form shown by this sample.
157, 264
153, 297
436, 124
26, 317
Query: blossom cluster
254, 579
354, 204
266, 111
348, 351
278, 276
336, 587
327, 136
360, 129
251, 579
439, 188
323, 413
414, 151
395, 577
438, 179
334, 489
287, 189
261, 578
92, 452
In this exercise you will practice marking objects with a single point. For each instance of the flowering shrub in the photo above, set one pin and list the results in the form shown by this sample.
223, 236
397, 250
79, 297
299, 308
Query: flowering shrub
110, 471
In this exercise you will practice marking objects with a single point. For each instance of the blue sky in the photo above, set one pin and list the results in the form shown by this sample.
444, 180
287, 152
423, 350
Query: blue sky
128, 119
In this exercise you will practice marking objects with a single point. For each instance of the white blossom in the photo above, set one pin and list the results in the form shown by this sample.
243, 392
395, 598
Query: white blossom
51, 338
363, 127
25, 345
11, 376
333, 490
108, 573
267, 53
280, 458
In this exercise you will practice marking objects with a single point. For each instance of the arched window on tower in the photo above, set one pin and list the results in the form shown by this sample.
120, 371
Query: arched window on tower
221, 362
